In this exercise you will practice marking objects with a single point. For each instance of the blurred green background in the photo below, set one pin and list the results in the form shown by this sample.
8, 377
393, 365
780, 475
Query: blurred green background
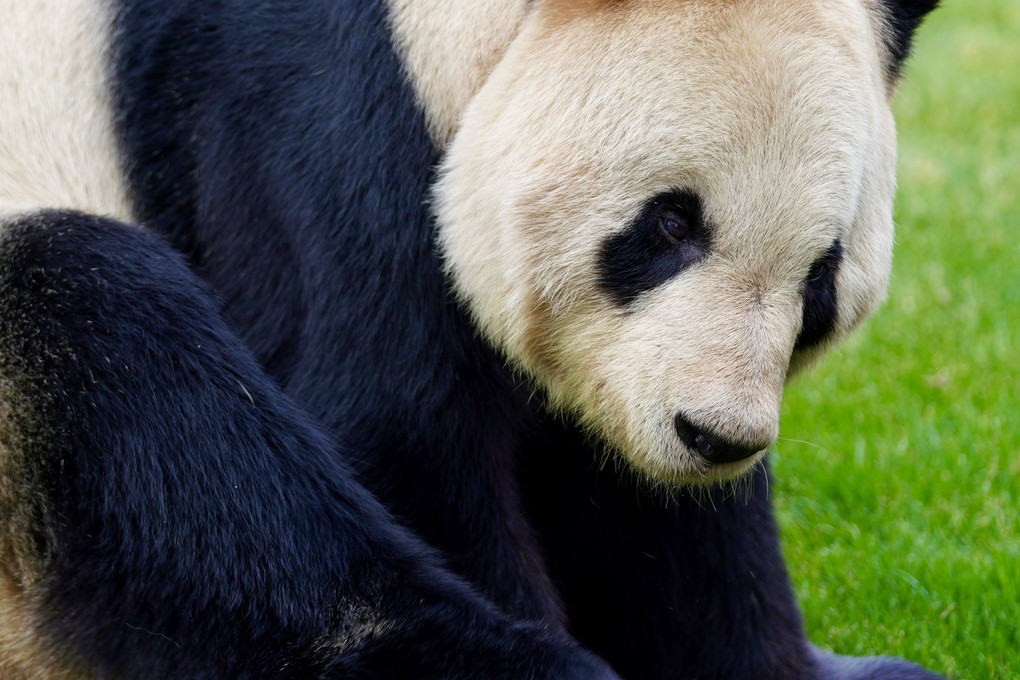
897, 475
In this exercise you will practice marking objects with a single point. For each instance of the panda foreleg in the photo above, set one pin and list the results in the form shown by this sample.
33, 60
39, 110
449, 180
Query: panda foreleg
836, 667
165, 512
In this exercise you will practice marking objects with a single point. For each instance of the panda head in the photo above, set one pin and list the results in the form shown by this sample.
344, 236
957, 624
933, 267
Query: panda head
661, 210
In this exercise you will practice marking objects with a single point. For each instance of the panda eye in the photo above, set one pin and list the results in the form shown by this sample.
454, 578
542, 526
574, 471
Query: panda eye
667, 237
673, 226
819, 293
818, 270
826, 264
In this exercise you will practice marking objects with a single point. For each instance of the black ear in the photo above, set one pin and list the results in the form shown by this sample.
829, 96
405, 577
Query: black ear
903, 17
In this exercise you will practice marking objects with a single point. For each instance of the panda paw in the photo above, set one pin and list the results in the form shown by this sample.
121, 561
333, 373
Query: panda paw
836, 667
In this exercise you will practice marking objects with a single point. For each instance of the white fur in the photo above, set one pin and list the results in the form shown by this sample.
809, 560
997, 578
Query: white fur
448, 48
775, 112
57, 146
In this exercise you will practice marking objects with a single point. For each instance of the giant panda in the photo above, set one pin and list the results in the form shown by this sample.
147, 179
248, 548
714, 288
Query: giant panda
543, 264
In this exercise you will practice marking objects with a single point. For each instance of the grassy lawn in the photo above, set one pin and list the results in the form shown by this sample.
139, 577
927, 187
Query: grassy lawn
898, 478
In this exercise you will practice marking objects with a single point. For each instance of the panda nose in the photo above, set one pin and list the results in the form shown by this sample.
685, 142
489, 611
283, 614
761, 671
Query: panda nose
711, 447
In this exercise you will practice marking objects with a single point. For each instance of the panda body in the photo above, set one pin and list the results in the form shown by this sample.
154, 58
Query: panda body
168, 513
289, 150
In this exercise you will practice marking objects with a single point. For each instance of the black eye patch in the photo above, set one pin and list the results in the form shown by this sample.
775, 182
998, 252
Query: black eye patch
820, 298
667, 237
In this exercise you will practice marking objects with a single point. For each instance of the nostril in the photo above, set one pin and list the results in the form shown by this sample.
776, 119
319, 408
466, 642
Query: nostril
709, 446
690, 435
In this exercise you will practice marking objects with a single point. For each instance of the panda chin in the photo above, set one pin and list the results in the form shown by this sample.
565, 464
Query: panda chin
673, 466
699, 473
659, 444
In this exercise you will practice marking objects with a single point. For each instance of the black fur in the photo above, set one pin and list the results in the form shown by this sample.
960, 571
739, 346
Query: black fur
189, 521
692, 588
819, 294
291, 164
277, 144
903, 18
644, 255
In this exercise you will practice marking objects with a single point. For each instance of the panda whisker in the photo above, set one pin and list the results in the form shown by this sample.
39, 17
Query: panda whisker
799, 441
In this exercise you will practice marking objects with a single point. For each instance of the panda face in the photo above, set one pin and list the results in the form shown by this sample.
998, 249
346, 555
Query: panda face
659, 211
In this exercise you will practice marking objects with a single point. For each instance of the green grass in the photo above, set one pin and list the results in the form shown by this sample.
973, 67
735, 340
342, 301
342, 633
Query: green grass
900, 501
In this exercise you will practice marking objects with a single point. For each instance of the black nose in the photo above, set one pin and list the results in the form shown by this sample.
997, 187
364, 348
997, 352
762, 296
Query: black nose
712, 448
